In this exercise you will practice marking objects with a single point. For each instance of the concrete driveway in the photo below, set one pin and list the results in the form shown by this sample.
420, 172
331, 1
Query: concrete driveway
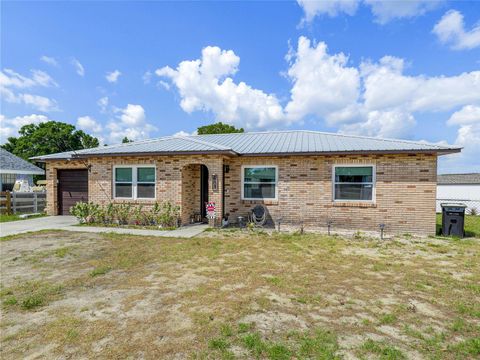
36, 224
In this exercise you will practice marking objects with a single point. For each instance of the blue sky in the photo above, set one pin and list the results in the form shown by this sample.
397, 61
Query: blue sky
400, 69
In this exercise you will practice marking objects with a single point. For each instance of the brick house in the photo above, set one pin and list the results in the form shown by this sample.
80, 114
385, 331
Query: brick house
300, 176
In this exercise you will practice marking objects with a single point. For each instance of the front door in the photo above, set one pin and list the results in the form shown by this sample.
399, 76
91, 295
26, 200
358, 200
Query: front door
203, 190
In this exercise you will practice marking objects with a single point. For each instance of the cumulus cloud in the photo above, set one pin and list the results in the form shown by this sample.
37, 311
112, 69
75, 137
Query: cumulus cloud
322, 83
10, 126
383, 11
13, 86
78, 67
130, 122
147, 77
206, 84
468, 115
103, 104
389, 124
467, 119
184, 133
451, 30
112, 77
89, 124
331, 8
386, 86
375, 98
49, 60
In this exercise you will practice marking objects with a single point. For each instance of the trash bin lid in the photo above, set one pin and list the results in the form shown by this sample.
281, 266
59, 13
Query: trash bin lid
453, 204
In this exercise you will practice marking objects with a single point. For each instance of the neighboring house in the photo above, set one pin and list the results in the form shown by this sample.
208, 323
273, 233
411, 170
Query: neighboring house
463, 188
300, 176
13, 168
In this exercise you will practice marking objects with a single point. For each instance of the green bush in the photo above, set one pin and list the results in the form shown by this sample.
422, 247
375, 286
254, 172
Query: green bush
85, 212
163, 215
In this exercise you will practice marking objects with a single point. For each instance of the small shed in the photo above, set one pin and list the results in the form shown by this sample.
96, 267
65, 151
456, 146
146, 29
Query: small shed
13, 168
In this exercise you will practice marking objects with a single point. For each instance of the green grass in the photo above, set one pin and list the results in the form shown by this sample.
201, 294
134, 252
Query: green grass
382, 350
472, 225
6, 218
101, 270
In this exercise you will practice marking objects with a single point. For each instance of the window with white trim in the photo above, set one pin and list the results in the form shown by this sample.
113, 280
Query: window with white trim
134, 182
259, 182
353, 183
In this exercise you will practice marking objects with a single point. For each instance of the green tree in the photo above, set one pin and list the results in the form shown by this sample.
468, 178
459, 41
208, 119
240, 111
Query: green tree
48, 138
218, 128
126, 140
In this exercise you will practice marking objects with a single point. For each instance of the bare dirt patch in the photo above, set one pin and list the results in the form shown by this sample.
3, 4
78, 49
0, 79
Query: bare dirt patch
235, 294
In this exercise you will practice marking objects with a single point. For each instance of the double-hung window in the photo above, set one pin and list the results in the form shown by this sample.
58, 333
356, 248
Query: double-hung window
259, 182
353, 183
134, 182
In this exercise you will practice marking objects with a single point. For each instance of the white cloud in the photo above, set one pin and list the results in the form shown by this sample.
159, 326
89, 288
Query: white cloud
89, 124
147, 77
103, 104
468, 136
132, 115
49, 60
388, 124
78, 67
386, 86
331, 8
112, 77
374, 98
130, 122
451, 30
468, 115
206, 85
38, 102
184, 133
10, 126
11, 82
385, 11
11, 79
322, 83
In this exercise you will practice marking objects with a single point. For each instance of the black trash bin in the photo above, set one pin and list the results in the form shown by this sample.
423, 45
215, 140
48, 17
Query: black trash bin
453, 219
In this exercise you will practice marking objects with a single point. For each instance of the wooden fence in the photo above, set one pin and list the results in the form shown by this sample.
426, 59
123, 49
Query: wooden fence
22, 202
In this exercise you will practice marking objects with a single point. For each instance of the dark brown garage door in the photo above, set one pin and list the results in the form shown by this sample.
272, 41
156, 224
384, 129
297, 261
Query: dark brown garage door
72, 188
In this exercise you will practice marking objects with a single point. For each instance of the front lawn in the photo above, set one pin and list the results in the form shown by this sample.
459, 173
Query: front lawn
238, 294
472, 225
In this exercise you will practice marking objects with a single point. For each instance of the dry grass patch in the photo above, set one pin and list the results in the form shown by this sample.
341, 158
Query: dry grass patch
235, 294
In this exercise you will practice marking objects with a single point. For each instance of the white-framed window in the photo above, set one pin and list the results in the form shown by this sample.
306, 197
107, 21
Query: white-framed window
134, 182
353, 183
259, 182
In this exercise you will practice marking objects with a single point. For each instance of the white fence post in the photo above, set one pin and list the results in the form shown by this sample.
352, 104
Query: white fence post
14, 202
35, 203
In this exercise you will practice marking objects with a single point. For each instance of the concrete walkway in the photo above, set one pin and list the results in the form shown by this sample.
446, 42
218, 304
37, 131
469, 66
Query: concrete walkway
67, 223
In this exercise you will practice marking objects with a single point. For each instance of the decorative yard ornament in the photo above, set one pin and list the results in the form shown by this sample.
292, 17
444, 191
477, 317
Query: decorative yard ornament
382, 228
210, 207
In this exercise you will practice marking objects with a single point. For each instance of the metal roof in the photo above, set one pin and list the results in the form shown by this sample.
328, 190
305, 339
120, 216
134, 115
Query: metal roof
459, 179
260, 143
12, 164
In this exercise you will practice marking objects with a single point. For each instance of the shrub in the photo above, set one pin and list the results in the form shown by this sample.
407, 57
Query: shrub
164, 215
168, 215
123, 213
85, 212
